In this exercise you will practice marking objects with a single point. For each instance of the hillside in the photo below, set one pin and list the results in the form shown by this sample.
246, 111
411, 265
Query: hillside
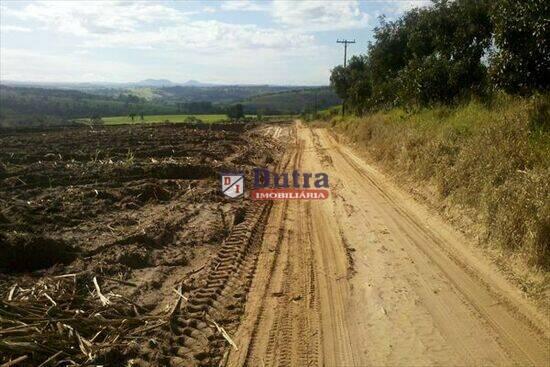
23, 105
291, 102
217, 94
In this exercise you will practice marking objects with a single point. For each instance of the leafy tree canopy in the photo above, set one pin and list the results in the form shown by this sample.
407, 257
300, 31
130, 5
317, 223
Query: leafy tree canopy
449, 51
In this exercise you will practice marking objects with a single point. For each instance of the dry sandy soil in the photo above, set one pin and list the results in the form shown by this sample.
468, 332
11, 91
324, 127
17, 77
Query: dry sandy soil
371, 278
186, 277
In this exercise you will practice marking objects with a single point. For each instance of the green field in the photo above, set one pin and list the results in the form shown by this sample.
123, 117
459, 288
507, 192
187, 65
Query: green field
208, 119
116, 120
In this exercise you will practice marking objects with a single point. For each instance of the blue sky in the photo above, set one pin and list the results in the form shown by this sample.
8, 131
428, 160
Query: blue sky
256, 42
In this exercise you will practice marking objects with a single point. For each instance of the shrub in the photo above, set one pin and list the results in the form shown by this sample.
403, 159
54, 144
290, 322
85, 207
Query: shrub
539, 114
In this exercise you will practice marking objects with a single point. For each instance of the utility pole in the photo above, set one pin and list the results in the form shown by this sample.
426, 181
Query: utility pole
345, 42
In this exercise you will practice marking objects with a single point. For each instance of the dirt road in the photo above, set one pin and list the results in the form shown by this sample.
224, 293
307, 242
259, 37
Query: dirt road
369, 277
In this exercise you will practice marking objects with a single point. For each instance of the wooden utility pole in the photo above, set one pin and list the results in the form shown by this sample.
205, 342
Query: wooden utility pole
345, 42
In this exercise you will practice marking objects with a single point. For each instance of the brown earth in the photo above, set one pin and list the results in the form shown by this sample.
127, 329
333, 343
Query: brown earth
138, 210
186, 277
370, 277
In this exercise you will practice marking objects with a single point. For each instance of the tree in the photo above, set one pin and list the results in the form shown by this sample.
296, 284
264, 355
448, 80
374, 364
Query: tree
132, 116
429, 55
432, 54
360, 89
340, 81
141, 116
235, 112
521, 60
353, 84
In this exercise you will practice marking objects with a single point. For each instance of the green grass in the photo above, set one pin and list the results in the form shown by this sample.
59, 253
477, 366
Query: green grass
118, 120
208, 119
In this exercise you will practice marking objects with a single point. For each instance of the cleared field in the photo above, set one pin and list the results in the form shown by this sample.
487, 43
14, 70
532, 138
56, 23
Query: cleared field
105, 232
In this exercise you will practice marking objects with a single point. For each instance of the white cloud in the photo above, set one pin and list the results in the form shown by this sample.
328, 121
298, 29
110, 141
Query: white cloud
402, 6
13, 28
152, 26
228, 67
203, 36
44, 67
209, 9
94, 41
95, 17
316, 15
243, 5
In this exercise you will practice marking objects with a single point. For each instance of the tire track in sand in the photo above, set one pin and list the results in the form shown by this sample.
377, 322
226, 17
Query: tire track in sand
418, 295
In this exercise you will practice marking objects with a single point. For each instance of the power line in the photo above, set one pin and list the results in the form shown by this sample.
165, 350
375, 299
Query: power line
345, 42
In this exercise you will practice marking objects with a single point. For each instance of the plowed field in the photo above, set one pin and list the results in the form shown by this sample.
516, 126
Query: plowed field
137, 210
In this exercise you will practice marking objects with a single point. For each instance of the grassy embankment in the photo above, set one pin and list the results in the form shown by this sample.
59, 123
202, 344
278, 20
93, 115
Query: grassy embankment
491, 162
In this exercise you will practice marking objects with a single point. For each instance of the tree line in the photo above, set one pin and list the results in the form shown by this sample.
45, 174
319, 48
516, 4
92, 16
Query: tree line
449, 51
26, 106
21, 106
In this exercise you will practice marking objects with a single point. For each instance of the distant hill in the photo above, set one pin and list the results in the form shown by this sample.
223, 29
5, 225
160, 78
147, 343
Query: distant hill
162, 83
292, 102
24, 105
159, 83
194, 83
216, 94
156, 83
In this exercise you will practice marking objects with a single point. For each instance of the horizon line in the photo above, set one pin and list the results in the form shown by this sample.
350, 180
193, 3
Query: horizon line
198, 83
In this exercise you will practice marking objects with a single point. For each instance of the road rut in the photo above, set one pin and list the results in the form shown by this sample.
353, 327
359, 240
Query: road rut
370, 277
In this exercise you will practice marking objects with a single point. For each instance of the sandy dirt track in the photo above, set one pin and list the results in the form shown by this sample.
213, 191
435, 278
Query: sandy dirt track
369, 277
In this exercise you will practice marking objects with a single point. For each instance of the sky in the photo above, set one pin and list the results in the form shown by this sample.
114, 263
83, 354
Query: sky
230, 42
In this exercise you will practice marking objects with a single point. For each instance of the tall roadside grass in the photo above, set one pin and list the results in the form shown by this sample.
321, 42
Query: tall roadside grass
491, 159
